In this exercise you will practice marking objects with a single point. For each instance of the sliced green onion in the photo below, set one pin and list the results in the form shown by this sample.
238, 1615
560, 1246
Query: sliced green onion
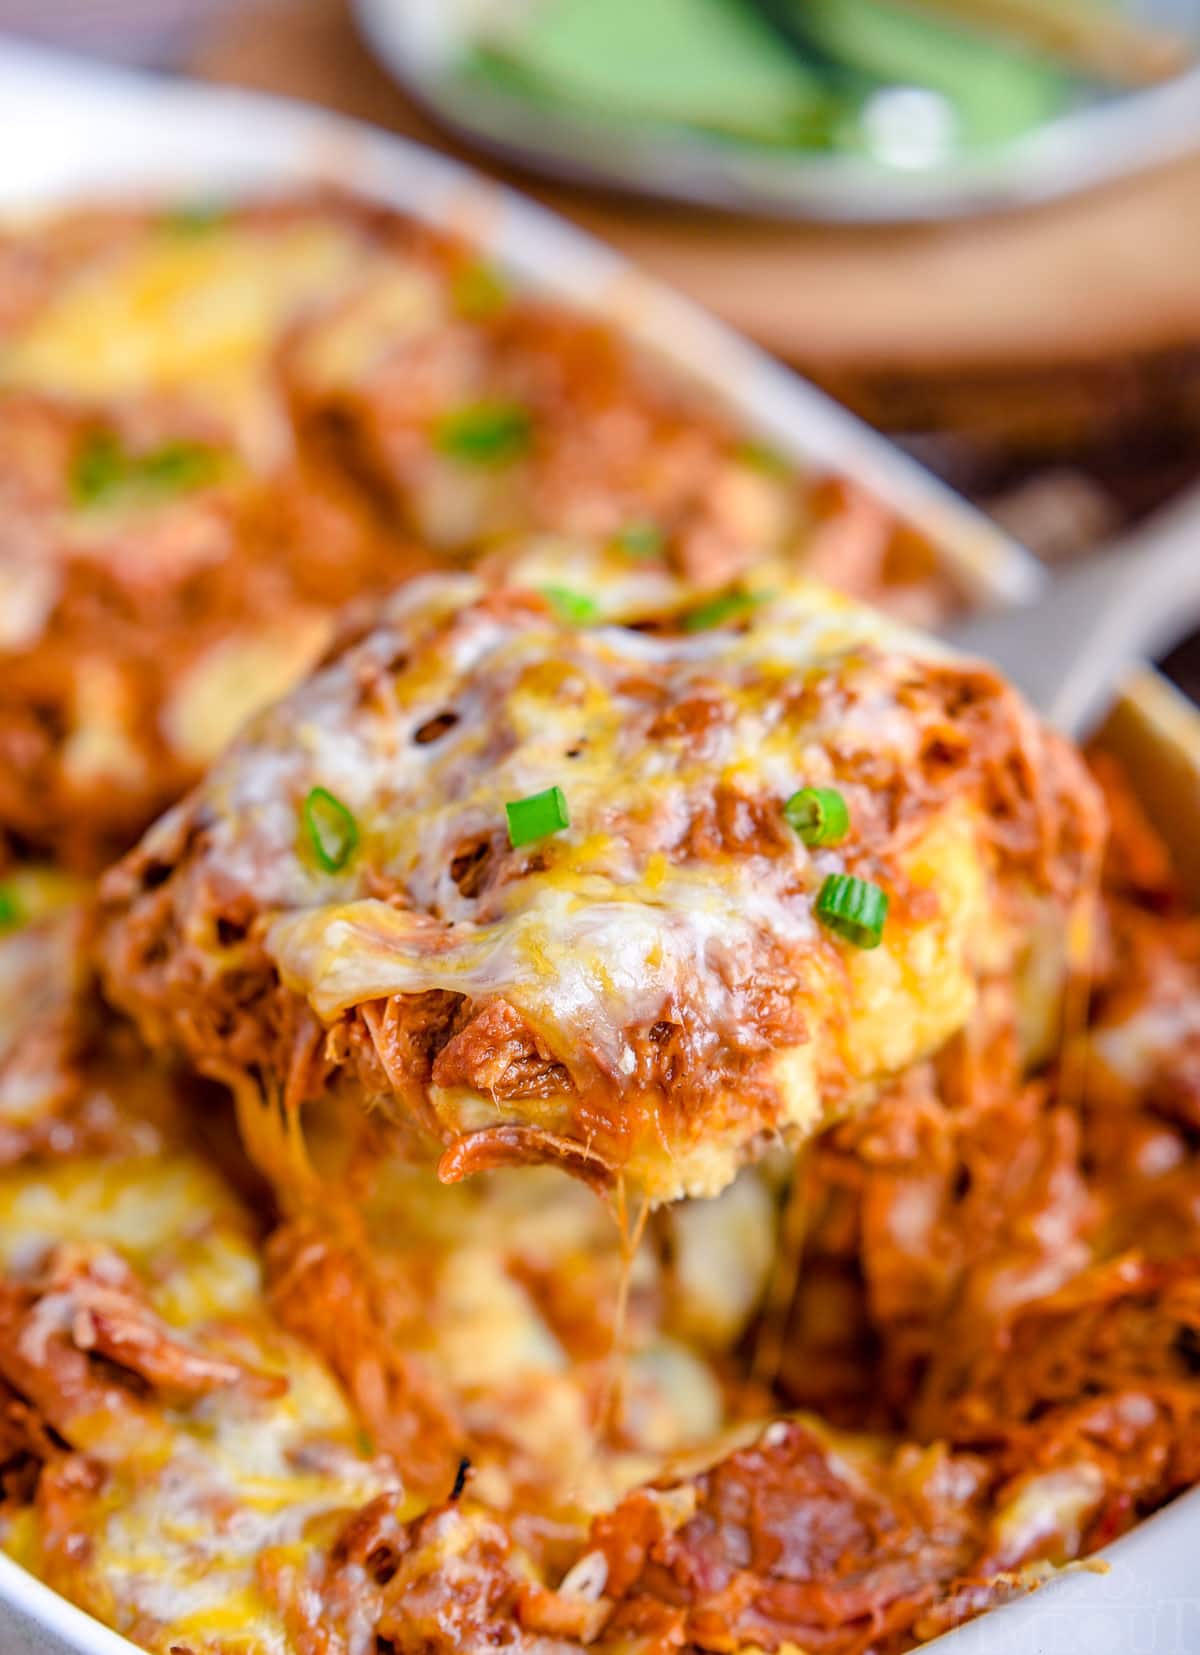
178, 466
536, 817
10, 909
479, 290
331, 828
642, 538
191, 218
762, 457
819, 815
727, 607
486, 433
575, 607
854, 908
103, 471
98, 468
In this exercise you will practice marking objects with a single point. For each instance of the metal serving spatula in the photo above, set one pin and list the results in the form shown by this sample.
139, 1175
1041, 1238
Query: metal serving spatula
1070, 648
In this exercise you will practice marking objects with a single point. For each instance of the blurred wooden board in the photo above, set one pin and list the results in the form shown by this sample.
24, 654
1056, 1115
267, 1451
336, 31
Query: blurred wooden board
1016, 322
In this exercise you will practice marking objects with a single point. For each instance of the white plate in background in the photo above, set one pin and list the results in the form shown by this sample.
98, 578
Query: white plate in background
420, 42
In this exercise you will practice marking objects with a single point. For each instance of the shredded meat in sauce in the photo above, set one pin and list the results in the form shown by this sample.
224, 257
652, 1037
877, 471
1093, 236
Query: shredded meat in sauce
991, 1328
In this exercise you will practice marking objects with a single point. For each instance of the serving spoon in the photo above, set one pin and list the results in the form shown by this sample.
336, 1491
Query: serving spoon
1069, 649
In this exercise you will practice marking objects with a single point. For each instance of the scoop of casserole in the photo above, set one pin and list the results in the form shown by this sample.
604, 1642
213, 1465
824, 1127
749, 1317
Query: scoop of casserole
635, 898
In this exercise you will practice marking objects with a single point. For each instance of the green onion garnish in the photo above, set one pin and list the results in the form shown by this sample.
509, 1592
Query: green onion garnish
486, 433
819, 815
97, 469
332, 830
10, 909
762, 457
536, 817
643, 538
177, 466
192, 218
479, 290
727, 607
854, 908
103, 471
575, 607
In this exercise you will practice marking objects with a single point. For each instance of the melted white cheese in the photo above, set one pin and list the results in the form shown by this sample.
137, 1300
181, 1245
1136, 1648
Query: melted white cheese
617, 924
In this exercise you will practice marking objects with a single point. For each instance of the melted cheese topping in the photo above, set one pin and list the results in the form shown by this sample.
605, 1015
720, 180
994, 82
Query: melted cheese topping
646, 909
194, 1497
237, 678
194, 313
506, 1350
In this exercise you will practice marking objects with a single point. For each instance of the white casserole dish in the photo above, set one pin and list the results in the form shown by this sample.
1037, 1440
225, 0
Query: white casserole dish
73, 130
